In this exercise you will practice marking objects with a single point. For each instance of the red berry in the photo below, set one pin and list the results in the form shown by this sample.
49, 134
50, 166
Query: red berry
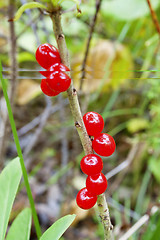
96, 184
47, 55
91, 164
94, 123
58, 81
85, 199
46, 89
104, 144
55, 67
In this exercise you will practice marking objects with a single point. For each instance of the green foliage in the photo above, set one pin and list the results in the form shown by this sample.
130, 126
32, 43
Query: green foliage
154, 165
26, 6
58, 228
25, 56
21, 226
9, 182
137, 124
127, 10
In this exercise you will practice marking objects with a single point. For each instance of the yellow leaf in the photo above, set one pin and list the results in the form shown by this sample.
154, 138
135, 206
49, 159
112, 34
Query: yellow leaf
108, 65
137, 124
27, 90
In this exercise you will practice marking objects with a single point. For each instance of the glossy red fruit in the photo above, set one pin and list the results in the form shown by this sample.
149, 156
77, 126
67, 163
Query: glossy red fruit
47, 55
54, 68
46, 89
58, 81
96, 184
93, 122
104, 144
85, 200
91, 164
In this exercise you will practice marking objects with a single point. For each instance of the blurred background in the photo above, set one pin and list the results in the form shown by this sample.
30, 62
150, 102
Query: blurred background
118, 78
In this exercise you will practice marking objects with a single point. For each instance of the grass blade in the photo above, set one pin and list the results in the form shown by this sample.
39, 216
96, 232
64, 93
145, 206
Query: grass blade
9, 182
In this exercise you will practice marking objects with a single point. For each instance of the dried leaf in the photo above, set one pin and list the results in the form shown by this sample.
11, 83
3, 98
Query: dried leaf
27, 90
108, 65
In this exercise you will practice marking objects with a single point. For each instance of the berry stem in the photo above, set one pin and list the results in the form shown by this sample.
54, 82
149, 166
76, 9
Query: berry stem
105, 218
72, 93
77, 115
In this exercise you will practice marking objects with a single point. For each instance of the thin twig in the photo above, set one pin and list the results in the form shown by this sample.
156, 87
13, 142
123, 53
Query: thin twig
119, 207
123, 166
64, 141
32, 24
34, 20
13, 83
98, 5
125, 163
44, 29
154, 17
38, 131
36, 121
139, 224
76, 112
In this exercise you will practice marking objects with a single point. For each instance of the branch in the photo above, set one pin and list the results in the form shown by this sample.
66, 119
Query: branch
98, 5
76, 112
37, 133
125, 163
72, 93
13, 83
139, 224
154, 17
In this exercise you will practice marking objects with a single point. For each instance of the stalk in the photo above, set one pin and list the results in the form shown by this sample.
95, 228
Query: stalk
77, 116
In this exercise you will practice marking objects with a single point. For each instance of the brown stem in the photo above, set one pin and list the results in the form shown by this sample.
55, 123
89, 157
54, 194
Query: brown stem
72, 93
154, 17
76, 112
12, 87
98, 4
105, 218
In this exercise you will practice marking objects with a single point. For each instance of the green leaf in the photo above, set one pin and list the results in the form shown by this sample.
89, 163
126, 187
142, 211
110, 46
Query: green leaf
27, 6
154, 166
137, 124
58, 228
21, 226
156, 233
127, 10
26, 56
9, 181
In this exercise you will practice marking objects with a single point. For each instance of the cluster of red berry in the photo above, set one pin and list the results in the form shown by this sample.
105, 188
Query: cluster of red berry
92, 165
56, 80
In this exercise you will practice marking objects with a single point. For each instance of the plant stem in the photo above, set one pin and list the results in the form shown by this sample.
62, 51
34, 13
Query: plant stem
12, 86
19, 151
154, 17
104, 215
93, 23
72, 93
76, 112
